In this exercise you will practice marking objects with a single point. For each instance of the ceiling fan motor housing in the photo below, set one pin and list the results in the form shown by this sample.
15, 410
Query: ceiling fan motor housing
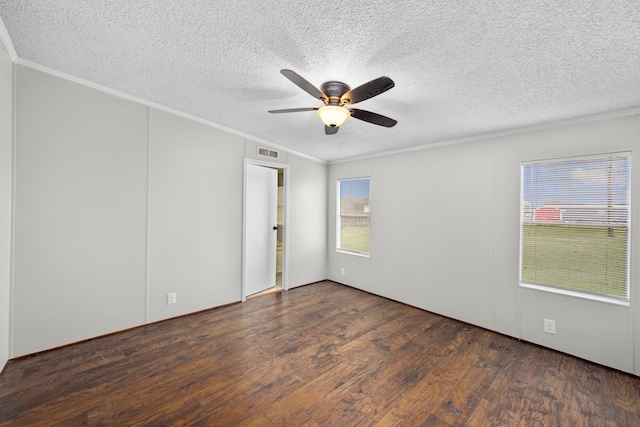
334, 91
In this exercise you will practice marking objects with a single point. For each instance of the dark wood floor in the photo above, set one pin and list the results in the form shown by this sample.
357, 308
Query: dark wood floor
323, 354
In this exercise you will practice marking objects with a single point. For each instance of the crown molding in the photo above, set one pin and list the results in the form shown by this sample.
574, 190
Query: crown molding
549, 125
110, 91
6, 40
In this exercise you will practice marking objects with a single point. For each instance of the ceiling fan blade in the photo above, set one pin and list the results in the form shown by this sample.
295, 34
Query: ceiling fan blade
293, 110
331, 130
375, 118
303, 84
368, 90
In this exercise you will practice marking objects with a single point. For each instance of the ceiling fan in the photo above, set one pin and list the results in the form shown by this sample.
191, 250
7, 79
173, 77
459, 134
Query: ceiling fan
336, 95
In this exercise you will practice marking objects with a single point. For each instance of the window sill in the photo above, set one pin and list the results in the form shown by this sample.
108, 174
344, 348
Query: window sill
340, 251
565, 292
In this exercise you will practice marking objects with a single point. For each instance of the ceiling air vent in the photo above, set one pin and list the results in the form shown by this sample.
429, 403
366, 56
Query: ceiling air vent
264, 152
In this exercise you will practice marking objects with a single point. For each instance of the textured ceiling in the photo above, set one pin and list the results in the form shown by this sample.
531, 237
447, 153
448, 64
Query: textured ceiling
461, 68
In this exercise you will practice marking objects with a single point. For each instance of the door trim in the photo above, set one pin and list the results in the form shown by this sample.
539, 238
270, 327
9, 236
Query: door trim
285, 225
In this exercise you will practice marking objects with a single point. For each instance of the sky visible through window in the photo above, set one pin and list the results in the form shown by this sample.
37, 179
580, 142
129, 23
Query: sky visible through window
591, 181
357, 188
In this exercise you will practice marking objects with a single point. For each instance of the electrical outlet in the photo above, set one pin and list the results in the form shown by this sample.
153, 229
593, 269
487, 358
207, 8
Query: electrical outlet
550, 326
344, 271
171, 298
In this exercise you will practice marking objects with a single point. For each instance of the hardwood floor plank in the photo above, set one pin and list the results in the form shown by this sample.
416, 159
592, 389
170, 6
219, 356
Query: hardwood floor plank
287, 412
415, 405
465, 395
319, 355
391, 384
340, 414
258, 420
305, 397
538, 409
349, 390
433, 421
457, 405
619, 391
488, 414
506, 389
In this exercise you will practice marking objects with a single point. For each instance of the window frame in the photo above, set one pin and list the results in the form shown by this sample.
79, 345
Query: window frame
565, 291
339, 218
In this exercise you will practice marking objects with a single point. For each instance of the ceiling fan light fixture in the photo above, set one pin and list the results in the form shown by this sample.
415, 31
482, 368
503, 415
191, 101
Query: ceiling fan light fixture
333, 115
335, 94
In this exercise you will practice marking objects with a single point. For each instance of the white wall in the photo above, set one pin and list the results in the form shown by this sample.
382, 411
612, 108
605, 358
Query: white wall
118, 204
307, 228
634, 330
445, 237
80, 212
6, 120
195, 215
439, 222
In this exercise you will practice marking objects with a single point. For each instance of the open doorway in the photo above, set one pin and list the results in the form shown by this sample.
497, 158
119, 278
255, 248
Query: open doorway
280, 233
264, 266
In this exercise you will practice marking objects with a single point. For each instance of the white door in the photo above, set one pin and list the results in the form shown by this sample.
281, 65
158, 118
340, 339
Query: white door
261, 212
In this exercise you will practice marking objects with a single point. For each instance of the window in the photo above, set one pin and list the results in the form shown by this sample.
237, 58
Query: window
575, 225
353, 215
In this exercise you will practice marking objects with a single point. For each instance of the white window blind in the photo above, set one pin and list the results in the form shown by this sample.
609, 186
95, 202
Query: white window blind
353, 231
575, 224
